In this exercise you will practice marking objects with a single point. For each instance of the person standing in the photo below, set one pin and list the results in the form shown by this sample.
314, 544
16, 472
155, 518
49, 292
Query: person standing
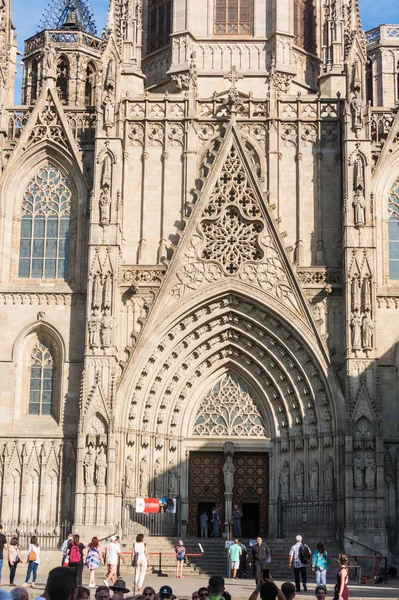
112, 553
94, 557
237, 517
64, 547
215, 522
14, 558
33, 561
299, 567
75, 550
140, 561
320, 564
242, 570
341, 591
3, 546
180, 556
234, 557
259, 559
204, 524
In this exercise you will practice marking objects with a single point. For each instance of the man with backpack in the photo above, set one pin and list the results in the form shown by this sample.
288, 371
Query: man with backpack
300, 555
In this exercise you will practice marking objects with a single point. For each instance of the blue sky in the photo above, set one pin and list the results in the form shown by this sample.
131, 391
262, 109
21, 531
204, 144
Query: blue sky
26, 17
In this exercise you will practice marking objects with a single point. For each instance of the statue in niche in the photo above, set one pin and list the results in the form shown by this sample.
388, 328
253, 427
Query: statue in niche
107, 292
329, 474
314, 477
172, 480
129, 472
50, 54
88, 466
106, 330
285, 479
158, 478
356, 297
109, 110
97, 293
105, 203
359, 204
228, 474
101, 467
367, 293
94, 327
299, 477
357, 109
367, 331
144, 476
370, 469
358, 468
356, 326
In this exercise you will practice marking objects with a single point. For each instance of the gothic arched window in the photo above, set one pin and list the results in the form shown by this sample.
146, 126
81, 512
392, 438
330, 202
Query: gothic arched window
159, 24
34, 81
90, 85
393, 231
45, 226
305, 25
233, 17
62, 81
41, 380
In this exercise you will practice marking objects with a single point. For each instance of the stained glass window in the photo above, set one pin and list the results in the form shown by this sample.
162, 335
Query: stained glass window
159, 23
393, 231
305, 25
41, 384
45, 226
233, 17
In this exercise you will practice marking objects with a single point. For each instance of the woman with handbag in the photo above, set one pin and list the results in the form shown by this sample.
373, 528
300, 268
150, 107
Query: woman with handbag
14, 558
33, 561
94, 557
140, 562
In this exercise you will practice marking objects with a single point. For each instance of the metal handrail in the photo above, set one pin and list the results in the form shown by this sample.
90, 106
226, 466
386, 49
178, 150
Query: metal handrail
364, 545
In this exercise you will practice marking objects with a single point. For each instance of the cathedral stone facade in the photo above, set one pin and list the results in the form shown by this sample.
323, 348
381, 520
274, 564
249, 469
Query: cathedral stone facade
199, 268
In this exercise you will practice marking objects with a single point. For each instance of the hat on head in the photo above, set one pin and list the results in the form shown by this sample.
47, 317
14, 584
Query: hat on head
166, 591
119, 586
113, 538
180, 542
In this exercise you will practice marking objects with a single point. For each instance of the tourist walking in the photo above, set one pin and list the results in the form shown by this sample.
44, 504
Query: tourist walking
14, 558
204, 524
237, 515
234, 557
296, 560
140, 561
94, 558
242, 570
112, 553
341, 591
3, 546
64, 547
180, 556
260, 557
75, 550
320, 564
33, 561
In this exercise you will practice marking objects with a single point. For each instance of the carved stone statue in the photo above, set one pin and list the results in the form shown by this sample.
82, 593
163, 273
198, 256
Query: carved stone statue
370, 469
172, 480
314, 477
357, 109
144, 476
228, 474
50, 54
366, 290
367, 331
285, 479
129, 470
109, 110
94, 326
356, 297
299, 474
105, 203
97, 293
101, 467
356, 326
358, 468
359, 204
158, 478
88, 466
106, 330
328, 475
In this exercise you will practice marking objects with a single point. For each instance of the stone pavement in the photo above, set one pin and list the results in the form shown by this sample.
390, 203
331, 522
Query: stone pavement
240, 590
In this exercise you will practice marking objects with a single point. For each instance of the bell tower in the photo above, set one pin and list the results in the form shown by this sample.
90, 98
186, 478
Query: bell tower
68, 44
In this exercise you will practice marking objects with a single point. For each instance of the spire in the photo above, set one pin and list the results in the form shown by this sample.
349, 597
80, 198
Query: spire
69, 14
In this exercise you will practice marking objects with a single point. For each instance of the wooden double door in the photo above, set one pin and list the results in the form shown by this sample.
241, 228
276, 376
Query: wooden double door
251, 489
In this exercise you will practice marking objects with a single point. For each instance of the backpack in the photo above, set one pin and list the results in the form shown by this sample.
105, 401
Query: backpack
74, 554
32, 554
304, 554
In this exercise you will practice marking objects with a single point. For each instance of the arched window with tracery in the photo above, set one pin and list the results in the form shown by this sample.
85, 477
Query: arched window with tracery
393, 230
34, 81
305, 25
62, 82
45, 226
90, 84
233, 17
41, 380
159, 24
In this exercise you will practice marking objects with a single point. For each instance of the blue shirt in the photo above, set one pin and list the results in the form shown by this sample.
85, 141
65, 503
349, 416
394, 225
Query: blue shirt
204, 520
319, 562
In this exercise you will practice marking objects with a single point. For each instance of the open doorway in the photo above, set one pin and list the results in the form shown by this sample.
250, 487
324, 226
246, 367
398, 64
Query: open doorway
250, 520
205, 506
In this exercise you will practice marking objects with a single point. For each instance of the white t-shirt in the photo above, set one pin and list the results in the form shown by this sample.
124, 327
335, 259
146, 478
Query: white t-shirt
112, 553
140, 548
36, 550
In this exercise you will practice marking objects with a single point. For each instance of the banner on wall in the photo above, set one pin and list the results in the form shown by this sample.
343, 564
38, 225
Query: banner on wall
155, 505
